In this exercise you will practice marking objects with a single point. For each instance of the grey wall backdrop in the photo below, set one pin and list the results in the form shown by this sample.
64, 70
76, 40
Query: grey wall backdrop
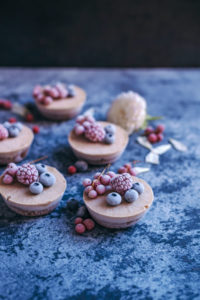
106, 33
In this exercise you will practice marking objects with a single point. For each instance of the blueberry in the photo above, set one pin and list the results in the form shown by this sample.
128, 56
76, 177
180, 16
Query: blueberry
109, 138
7, 124
47, 179
13, 131
82, 212
110, 129
36, 188
81, 165
72, 205
18, 125
41, 168
71, 91
131, 195
113, 199
139, 187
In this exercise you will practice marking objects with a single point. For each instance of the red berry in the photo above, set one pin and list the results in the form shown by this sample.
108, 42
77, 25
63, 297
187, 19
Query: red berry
122, 170
89, 224
36, 129
78, 221
80, 228
29, 117
7, 104
71, 170
160, 128
132, 172
159, 137
12, 120
148, 131
152, 138
127, 165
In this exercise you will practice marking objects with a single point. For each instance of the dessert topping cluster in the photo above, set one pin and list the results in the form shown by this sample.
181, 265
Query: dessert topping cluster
9, 130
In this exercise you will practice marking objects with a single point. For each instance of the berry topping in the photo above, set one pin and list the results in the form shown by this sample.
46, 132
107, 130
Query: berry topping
26, 174
71, 170
109, 138
47, 179
95, 132
122, 183
3, 133
41, 168
36, 188
139, 187
113, 199
110, 129
131, 195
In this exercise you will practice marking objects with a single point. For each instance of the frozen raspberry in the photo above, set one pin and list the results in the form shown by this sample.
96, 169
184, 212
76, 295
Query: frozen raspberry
105, 179
3, 133
95, 132
27, 173
78, 221
80, 228
7, 179
100, 189
152, 138
122, 183
89, 224
92, 194
87, 181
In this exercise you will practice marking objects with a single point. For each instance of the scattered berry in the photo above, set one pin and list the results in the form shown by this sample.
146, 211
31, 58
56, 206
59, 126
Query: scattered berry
109, 138
100, 189
78, 221
12, 120
26, 174
95, 132
41, 168
87, 181
92, 194
139, 187
152, 138
131, 195
29, 117
122, 183
36, 129
89, 224
3, 133
36, 188
72, 205
82, 212
148, 131
113, 199
81, 165
110, 129
160, 128
71, 170
47, 179
80, 228
159, 137
122, 170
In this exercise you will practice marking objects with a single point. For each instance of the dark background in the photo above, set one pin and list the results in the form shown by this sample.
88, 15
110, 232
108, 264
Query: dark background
106, 33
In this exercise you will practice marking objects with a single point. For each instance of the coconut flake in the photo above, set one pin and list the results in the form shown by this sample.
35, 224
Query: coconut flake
19, 109
152, 158
139, 170
178, 145
142, 140
161, 149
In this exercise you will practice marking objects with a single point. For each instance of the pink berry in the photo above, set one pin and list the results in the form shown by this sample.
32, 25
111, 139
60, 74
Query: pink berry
108, 188
121, 183
80, 228
122, 170
152, 138
111, 174
3, 133
95, 183
87, 181
160, 128
148, 131
96, 175
71, 170
132, 172
100, 189
47, 100
12, 169
95, 132
92, 194
89, 119
88, 189
159, 137
89, 224
78, 220
86, 124
7, 179
79, 129
80, 119
105, 179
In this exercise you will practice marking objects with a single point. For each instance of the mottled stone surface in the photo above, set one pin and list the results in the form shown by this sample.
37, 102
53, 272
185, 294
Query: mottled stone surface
42, 258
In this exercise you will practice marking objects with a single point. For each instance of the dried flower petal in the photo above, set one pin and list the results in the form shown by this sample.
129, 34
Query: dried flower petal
139, 170
152, 158
161, 149
142, 140
178, 145
20, 109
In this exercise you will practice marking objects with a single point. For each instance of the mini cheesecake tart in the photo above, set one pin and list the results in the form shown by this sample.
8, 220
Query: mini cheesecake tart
99, 153
63, 108
123, 215
15, 149
19, 198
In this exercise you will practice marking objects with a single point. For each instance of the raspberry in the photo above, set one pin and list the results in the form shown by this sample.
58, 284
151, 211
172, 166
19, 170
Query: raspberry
122, 183
95, 132
148, 131
29, 117
26, 174
71, 170
36, 129
12, 120
3, 133
160, 128
89, 224
78, 221
159, 137
152, 138
80, 228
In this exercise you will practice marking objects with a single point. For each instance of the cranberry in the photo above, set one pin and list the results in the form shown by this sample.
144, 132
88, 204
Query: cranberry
89, 224
12, 120
160, 128
36, 129
159, 137
29, 117
152, 138
148, 131
80, 228
71, 170
78, 221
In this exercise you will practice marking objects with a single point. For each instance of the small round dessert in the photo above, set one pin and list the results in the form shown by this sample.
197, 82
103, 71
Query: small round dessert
99, 153
64, 109
123, 215
19, 198
15, 149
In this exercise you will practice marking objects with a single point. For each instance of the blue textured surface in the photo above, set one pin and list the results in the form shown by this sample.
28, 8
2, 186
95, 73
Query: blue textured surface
42, 258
